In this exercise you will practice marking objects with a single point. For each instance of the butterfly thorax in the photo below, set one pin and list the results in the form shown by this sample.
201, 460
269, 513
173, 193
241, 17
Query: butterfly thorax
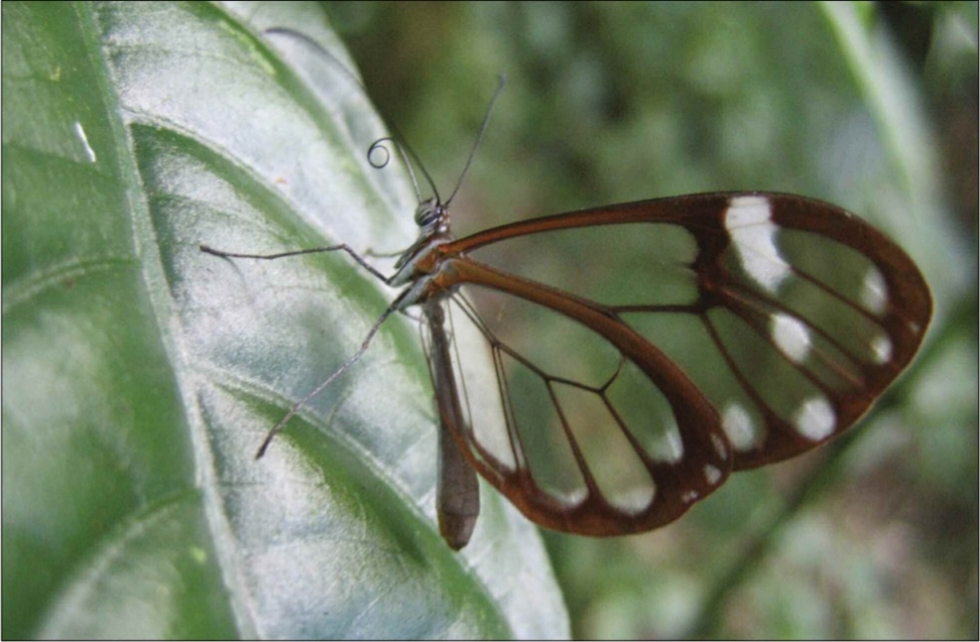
420, 262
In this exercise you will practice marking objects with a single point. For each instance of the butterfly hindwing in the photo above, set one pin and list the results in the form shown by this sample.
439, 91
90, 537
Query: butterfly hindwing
596, 450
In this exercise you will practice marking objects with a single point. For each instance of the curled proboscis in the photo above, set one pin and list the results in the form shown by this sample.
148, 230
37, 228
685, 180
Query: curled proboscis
377, 147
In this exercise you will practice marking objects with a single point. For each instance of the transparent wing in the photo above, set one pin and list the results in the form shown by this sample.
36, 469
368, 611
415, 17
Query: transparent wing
690, 337
576, 433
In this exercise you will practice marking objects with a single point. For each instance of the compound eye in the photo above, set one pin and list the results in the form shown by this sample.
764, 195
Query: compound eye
427, 212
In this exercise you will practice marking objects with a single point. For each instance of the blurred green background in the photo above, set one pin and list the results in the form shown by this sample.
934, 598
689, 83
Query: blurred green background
873, 107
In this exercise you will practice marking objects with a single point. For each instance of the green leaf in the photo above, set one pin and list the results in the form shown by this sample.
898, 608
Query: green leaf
140, 374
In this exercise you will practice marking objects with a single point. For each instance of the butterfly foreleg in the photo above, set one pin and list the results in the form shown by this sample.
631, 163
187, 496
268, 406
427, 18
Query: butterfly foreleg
342, 247
396, 305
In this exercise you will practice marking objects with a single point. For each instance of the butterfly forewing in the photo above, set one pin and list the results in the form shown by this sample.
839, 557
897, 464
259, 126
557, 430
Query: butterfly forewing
744, 329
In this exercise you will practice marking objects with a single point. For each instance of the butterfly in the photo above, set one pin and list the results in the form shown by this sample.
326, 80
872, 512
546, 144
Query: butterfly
753, 327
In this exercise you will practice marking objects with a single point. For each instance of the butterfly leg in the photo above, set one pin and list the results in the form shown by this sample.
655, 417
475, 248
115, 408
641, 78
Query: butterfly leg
347, 364
396, 305
343, 247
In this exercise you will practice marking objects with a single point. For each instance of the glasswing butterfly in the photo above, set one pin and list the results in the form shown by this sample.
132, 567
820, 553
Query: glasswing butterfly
755, 326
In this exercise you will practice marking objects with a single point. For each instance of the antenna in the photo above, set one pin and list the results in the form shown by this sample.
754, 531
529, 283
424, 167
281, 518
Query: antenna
501, 81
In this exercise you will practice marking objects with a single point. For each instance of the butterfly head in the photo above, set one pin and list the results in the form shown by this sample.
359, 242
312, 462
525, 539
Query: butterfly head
432, 217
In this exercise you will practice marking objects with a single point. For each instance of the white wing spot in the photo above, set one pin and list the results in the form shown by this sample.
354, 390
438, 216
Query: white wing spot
749, 223
711, 474
634, 501
816, 419
668, 446
720, 446
874, 292
570, 498
689, 496
881, 346
676, 445
791, 336
737, 424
